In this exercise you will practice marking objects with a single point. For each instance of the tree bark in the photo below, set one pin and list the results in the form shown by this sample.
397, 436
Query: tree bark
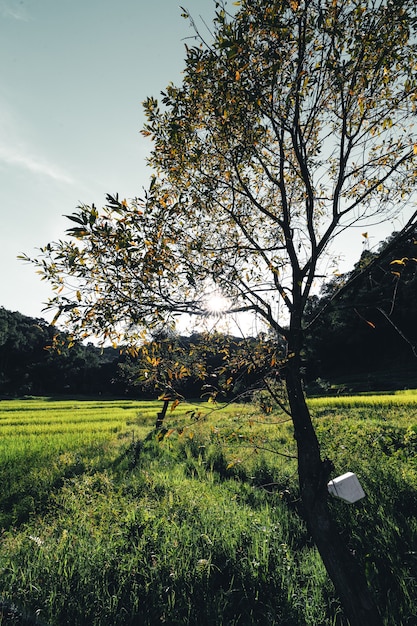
343, 569
161, 415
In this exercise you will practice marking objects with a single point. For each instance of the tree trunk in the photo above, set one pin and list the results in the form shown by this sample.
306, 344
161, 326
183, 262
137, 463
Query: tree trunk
161, 415
342, 567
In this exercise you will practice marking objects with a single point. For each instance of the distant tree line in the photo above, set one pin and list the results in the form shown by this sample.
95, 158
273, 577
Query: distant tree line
367, 335
37, 359
366, 338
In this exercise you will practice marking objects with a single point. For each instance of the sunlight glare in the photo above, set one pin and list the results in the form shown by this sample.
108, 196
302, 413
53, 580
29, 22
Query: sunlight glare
217, 304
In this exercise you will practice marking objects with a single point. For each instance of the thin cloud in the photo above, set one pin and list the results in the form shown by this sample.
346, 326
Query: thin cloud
15, 151
14, 10
32, 164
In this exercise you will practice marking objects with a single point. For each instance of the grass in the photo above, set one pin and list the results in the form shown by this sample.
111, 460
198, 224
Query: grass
381, 400
103, 524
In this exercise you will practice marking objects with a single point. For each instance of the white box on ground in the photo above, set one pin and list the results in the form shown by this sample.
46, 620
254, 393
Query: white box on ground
347, 487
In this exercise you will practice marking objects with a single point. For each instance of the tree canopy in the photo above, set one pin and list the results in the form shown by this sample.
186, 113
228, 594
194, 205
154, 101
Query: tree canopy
296, 120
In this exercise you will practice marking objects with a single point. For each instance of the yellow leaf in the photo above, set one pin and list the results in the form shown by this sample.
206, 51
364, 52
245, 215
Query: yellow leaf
415, 148
56, 317
174, 405
237, 75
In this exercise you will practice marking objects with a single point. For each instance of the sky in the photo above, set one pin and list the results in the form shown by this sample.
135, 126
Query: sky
73, 75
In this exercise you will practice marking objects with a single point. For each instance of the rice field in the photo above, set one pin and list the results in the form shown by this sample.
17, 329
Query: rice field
69, 423
104, 524
402, 398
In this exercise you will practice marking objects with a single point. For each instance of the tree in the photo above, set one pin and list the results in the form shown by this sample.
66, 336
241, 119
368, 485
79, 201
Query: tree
293, 123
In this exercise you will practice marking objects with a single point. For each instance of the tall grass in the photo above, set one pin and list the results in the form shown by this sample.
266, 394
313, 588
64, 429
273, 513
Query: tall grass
43, 442
108, 525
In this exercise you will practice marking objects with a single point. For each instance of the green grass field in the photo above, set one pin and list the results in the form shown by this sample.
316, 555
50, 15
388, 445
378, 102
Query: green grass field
103, 524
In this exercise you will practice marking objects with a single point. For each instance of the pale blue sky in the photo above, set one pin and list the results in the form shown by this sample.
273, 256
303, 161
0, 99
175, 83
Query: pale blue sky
73, 74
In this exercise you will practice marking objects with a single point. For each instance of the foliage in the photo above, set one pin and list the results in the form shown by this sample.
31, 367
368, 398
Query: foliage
374, 317
36, 359
371, 322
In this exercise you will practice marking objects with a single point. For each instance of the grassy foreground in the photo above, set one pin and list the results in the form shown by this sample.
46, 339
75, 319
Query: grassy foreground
103, 525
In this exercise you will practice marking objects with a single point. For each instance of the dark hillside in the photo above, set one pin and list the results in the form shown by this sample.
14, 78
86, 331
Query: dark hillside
368, 336
29, 365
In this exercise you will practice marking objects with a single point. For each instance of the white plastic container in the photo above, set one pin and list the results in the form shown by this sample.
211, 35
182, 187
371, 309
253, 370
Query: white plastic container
346, 487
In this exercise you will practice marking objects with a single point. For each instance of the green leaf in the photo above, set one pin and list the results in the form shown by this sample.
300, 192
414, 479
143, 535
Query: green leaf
74, 217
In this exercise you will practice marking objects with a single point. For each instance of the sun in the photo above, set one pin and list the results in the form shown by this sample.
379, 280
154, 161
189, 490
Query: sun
217, 304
